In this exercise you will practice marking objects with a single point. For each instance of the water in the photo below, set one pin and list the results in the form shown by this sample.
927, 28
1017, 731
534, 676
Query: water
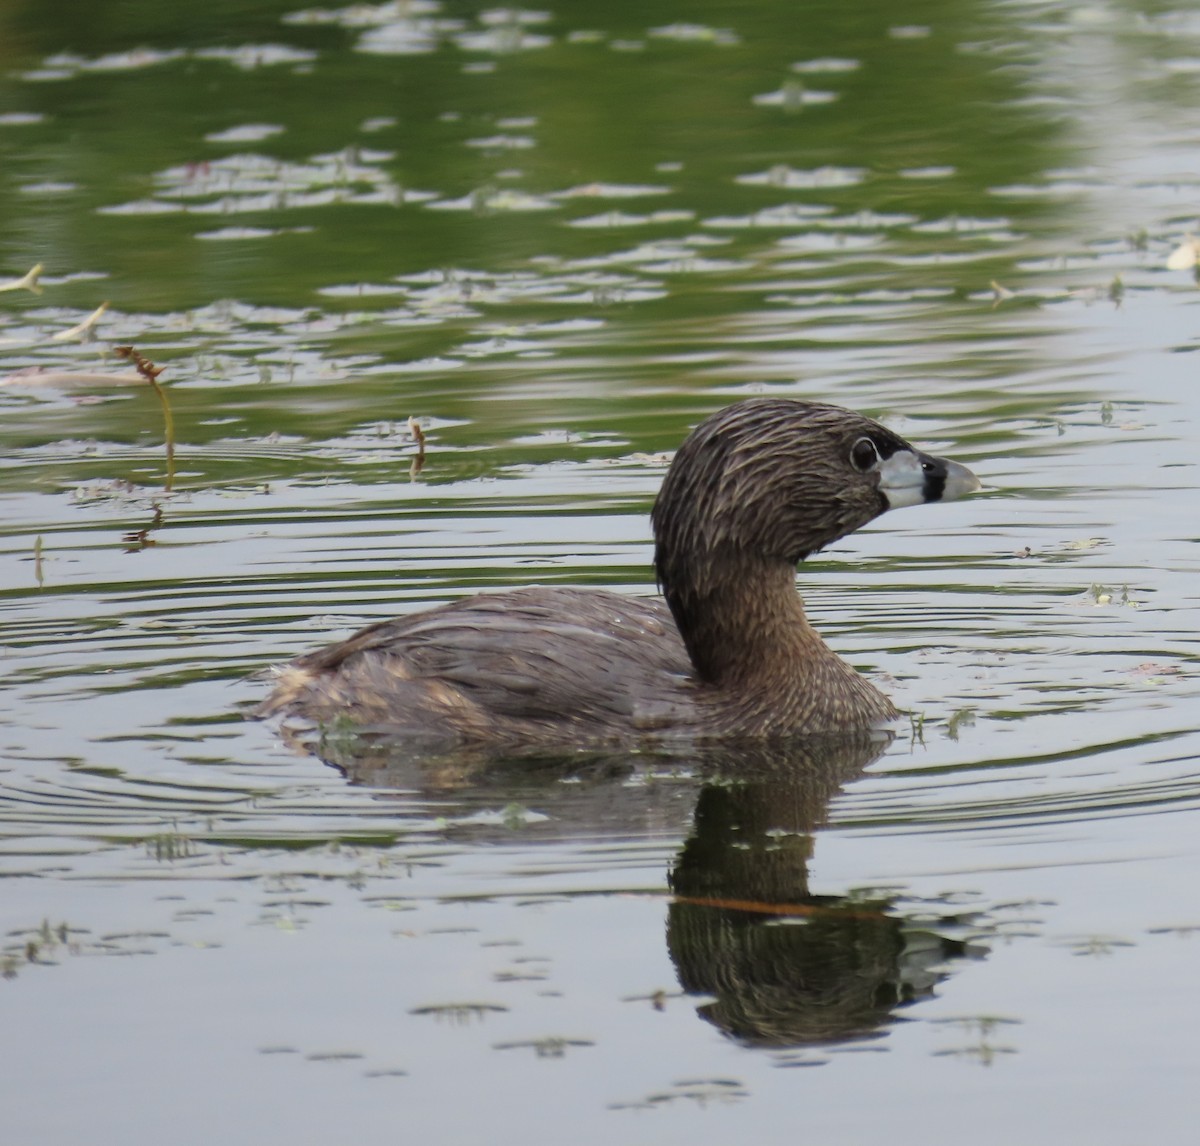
558, 239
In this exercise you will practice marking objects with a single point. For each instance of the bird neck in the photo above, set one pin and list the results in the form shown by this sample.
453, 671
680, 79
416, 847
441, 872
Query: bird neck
741, 620
744, 626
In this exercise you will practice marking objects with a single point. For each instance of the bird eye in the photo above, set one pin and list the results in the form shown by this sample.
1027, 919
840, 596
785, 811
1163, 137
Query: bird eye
863, 454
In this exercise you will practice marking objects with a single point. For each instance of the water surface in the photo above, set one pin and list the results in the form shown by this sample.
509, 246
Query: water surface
558, 239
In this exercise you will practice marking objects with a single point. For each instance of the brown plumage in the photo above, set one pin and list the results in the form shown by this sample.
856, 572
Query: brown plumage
729, 653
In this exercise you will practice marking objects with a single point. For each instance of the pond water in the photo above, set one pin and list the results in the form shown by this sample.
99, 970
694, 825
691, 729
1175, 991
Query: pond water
557, 239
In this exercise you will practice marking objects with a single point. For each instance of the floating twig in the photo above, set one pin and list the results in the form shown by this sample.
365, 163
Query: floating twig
150, 372
28, 281
138, 539
84, 329
767, 907
418, 462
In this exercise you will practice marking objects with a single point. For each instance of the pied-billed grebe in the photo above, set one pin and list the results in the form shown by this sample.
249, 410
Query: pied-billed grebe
729, 654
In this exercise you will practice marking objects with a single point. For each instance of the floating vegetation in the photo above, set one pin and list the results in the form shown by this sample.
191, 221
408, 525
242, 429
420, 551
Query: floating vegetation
981, 1025
701, 1091
460, 1014
1180, 930
984, 1053
959, 719
552, 1046
35, 945
46, 944
166, 847
249, 182
1102, 595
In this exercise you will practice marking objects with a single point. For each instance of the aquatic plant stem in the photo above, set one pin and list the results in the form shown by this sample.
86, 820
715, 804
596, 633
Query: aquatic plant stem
150, 372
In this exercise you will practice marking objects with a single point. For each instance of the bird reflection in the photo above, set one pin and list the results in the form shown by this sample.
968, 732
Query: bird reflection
777, 966
784, 967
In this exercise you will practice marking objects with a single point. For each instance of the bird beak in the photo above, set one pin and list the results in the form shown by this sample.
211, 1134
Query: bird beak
912, 478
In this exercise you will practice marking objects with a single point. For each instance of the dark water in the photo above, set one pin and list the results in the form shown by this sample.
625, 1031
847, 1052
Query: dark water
558, 239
